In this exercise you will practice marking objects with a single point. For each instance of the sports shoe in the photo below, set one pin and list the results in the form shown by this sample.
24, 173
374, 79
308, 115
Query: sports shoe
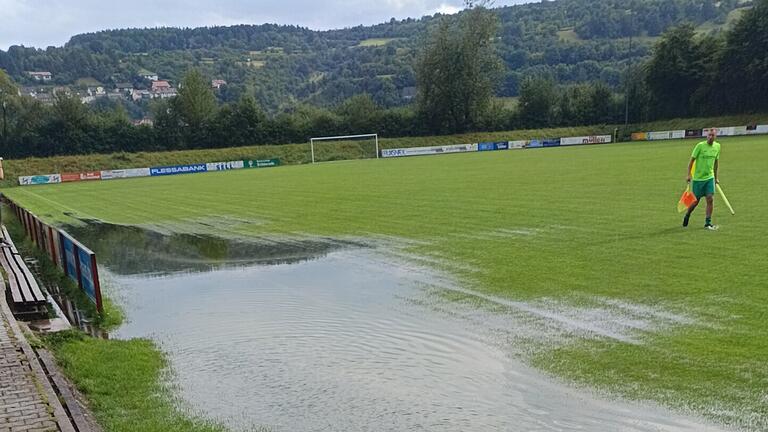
710, 227
685, 220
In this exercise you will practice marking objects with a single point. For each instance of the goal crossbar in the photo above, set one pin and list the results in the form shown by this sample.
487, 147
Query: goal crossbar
336, 138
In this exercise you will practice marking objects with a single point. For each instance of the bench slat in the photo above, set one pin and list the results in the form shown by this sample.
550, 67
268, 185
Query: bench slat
23, 280
13, 283
34, 288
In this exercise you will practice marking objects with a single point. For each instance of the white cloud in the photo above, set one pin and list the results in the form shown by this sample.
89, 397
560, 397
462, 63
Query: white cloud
447, 9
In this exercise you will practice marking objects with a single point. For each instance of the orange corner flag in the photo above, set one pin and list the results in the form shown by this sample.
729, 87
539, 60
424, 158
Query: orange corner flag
687, 200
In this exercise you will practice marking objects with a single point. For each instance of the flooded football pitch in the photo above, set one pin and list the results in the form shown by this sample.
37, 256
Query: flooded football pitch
317, 334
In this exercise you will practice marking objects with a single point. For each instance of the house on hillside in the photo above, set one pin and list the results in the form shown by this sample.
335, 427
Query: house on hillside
160, 85
162, 89
217, 83
124, 87
138, 95
97, 91
147, 75
44, 98
116, 95
146, 121
41, 76
165, 93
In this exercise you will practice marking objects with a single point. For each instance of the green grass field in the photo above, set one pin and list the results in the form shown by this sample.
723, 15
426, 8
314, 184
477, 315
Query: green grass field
604, 224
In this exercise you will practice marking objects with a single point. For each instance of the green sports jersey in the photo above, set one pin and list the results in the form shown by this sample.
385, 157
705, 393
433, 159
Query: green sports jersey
705, 156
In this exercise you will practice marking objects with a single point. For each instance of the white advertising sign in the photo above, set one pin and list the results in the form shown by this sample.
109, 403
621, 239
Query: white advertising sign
225, 166
595, 139
124, 173
39, 179
666, 135
419, 151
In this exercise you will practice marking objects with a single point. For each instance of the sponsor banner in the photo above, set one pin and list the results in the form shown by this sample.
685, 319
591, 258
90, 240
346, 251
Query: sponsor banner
486, 146
419, 151
261, 163
80, 266
225, 166
125, 173
739, 130
551, 142
666, 135
757, 129
595, 139
493, 146
87, 272
85, 176
534, 143
639, 136
725, 131
693, 133
177, 169
39, 179
520, 144
68, 252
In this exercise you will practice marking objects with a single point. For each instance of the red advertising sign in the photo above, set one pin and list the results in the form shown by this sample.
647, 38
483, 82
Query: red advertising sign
73, 177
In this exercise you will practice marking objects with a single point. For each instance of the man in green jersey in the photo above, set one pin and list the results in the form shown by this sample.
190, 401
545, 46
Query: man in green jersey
706, 156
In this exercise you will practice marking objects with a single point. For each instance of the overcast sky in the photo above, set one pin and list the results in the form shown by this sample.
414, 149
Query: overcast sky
41, 23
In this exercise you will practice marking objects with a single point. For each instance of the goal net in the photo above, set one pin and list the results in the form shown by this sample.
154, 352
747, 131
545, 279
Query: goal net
345, 147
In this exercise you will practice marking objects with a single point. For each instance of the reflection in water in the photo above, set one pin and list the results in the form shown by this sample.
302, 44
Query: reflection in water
341, 342
129, 250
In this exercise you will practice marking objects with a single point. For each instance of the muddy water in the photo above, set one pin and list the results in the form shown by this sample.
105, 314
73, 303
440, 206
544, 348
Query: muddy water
337, 339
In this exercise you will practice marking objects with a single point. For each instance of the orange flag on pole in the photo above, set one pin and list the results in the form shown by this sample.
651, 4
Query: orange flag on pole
687, 200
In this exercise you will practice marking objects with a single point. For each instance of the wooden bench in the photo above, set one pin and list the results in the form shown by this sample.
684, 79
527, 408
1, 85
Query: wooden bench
23, 292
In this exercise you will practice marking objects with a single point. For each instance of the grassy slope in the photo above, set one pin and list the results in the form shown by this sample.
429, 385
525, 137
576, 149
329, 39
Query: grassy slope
299, 153
123, 382
608, 228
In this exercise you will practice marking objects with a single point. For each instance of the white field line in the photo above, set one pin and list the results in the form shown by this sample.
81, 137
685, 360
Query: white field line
60, 205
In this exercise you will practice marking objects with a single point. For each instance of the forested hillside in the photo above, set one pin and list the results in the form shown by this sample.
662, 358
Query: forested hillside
572, 41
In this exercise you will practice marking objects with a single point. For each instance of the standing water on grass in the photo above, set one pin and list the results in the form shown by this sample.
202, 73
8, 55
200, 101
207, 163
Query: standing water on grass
324, 335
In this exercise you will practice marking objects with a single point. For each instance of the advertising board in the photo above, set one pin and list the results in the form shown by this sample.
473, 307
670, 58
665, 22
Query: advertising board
225, 166
39, 179
666, 135
125, 173
178, 169
593, 139
420, 151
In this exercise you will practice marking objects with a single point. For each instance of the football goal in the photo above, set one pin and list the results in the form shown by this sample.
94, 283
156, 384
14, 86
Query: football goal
325, 149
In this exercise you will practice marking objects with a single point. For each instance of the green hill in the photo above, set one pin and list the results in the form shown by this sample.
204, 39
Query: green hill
572, 40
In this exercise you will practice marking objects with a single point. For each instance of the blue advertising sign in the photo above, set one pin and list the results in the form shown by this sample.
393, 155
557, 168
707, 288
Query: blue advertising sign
86, 274
491, 146
534, 143
70, 265
178, 169
551, 142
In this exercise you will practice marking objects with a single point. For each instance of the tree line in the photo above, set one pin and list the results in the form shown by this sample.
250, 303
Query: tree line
457, 70
574, 41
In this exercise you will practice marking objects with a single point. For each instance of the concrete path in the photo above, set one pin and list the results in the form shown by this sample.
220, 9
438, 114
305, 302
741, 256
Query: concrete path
28, 402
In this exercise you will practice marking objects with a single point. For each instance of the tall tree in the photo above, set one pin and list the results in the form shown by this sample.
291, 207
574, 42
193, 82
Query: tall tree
196, 102
537, 101
745, 61
458, 70
675, 72
195, 106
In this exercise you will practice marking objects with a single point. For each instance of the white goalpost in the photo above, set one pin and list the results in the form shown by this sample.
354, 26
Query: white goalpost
375, 138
